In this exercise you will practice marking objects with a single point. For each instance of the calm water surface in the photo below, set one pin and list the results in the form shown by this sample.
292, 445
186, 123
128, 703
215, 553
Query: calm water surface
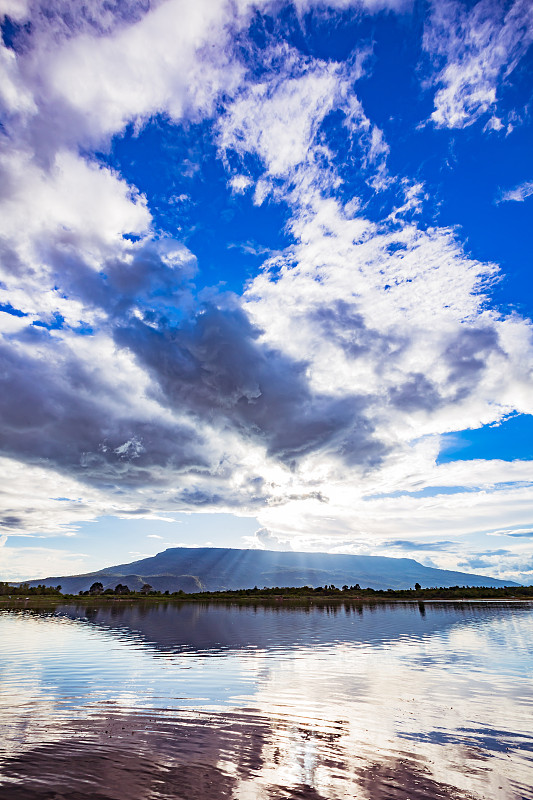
407, 702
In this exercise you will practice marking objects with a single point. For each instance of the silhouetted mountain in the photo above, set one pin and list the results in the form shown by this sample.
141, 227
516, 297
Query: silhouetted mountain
195, 569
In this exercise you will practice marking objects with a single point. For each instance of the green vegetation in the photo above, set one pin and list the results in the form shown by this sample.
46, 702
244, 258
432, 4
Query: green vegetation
29, 591
356, 593
283, 593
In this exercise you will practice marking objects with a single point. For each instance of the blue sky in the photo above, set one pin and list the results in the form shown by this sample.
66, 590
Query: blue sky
265, 280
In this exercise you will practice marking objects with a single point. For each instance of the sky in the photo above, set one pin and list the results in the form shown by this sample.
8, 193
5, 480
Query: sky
265, 280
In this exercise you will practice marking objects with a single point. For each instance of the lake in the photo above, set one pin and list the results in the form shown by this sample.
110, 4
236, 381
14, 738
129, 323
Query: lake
376, 702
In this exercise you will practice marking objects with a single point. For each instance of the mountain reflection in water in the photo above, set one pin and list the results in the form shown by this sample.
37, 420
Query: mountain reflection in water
196, 701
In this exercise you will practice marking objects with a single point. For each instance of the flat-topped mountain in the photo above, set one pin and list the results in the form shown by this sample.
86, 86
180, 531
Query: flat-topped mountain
194, 569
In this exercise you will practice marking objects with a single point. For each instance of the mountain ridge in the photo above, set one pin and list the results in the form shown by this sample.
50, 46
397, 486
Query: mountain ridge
193, 569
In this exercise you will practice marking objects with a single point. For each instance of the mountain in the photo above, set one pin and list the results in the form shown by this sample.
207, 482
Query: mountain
194, 569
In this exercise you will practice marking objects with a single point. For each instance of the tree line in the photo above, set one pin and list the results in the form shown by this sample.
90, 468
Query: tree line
355, 592
27, 591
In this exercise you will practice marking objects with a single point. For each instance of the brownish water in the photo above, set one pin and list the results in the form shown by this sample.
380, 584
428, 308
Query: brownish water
410, 701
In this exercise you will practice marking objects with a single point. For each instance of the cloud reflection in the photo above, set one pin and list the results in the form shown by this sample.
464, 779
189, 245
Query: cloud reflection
375, 703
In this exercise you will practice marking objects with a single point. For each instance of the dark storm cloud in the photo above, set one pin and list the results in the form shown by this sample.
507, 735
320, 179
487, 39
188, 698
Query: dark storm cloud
415, 394
211, 363
155, 276
207, 364
345, 326
215, 367
10, 521
467, 355
55, 411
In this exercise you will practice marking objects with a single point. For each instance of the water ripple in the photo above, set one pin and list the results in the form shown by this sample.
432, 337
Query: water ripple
197, 701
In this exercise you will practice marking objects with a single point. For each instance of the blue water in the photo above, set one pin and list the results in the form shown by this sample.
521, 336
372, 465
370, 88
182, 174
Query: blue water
195, 701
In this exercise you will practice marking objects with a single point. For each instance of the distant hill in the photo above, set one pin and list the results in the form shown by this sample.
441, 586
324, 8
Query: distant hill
194, 569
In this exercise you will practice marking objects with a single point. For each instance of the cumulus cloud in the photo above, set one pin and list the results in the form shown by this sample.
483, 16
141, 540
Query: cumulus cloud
474, 49
263, 539
67, 62
217, 367
78, 417
358, 299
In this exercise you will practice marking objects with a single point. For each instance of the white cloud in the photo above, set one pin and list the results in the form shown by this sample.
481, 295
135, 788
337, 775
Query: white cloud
69, 201
518, 194
278, 119
38, 562
263, 539
372, 6
239, 183
475, 49
16, 9
494, 124
355, 295
396, 317
186, 71
16, 98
